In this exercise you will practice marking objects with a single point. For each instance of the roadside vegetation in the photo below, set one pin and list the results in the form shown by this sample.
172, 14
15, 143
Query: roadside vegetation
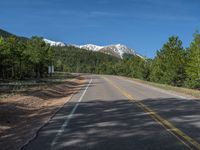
181, 90
177, 66
22, 58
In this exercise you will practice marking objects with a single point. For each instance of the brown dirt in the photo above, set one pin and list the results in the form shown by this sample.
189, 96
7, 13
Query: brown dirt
22, 114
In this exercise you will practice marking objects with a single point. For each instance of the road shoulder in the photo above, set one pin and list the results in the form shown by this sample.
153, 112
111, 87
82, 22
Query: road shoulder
22, 115
176, 91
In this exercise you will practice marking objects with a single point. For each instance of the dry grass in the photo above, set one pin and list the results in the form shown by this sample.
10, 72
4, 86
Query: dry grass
191, 92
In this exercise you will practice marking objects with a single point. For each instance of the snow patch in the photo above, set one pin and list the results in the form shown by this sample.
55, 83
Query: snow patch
91, 47
118, 49
53, 43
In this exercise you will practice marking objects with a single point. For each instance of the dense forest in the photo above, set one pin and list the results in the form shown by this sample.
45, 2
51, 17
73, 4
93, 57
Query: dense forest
72, 59
176, 65
22, 58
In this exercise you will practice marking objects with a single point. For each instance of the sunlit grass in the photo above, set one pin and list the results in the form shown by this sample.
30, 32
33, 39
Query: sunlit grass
191, 92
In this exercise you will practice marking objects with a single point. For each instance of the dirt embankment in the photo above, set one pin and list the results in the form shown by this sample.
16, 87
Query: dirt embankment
22, 114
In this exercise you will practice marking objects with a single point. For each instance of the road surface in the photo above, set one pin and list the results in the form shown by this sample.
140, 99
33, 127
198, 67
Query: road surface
116, 113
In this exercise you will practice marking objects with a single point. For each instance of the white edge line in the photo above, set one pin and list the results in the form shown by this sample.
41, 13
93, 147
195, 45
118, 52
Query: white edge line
46, 122
65, 124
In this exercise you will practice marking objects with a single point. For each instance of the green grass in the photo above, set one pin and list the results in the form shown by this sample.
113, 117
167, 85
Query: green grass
191, 92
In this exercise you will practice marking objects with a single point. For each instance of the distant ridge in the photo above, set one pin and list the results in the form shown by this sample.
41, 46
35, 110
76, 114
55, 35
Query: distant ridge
117, 50
6, 34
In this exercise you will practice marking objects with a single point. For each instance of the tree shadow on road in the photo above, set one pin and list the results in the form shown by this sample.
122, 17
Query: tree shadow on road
183, 113
118, 124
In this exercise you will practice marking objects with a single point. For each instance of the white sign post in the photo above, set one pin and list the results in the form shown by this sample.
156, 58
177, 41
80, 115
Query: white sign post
50, 70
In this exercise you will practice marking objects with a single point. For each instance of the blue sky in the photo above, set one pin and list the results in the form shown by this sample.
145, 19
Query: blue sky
143, 25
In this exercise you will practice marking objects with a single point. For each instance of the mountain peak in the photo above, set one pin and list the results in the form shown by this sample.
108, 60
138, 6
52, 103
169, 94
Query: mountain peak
117, 50
119, 45
53, 43
91, 47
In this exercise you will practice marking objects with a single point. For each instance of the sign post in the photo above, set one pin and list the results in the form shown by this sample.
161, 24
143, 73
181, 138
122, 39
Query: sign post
50, 70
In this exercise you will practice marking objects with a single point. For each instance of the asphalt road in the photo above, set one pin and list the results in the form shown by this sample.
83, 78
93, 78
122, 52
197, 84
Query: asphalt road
115, 113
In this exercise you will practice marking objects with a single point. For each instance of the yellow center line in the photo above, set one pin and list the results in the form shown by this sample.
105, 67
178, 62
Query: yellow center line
180, 135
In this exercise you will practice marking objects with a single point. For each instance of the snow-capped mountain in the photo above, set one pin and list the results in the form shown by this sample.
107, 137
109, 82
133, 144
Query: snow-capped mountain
53, 43
116, 50
91, 47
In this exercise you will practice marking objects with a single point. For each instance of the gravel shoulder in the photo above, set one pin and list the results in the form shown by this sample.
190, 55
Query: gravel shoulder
22, 114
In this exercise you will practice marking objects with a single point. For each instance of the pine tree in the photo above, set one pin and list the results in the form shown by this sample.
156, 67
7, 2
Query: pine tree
2, 57
193, 63
40, 55
168, 66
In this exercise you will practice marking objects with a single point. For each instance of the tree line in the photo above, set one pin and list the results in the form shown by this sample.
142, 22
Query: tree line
173, 64
20, 59
29, 58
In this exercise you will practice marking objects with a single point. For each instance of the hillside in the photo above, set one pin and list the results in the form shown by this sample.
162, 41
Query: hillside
6, 34
73, 59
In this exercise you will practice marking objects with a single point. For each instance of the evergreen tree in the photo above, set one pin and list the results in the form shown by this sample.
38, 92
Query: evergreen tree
39, 55
169, 65
2, 58
193, 63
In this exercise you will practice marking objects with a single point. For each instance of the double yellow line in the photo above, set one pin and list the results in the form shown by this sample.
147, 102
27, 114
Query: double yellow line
180, 135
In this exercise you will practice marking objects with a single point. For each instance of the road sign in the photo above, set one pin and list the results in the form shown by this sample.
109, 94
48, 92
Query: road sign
50, 69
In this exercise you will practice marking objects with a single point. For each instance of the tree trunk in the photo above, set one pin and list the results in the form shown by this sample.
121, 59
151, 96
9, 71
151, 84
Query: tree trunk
12, 74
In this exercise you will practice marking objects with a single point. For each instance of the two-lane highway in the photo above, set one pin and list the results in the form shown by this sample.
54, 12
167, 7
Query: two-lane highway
114, 113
